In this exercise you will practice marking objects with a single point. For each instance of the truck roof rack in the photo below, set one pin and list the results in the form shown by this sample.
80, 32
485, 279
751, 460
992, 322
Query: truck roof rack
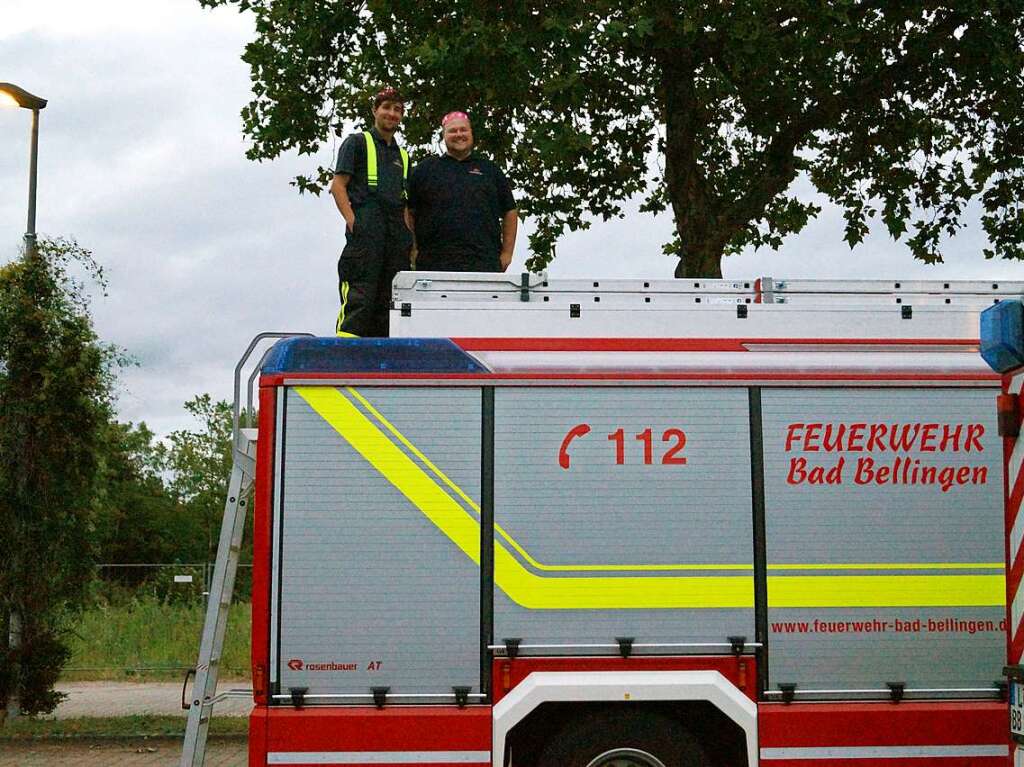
466, 305
432, 288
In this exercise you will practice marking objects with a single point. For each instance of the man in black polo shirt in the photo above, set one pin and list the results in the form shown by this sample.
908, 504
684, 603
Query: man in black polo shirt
369, 188
464, 214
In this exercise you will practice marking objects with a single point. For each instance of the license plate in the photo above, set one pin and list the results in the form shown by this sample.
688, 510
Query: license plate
1017, 707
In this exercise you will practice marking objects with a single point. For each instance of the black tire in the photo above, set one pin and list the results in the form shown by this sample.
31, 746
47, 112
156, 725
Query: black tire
620, 736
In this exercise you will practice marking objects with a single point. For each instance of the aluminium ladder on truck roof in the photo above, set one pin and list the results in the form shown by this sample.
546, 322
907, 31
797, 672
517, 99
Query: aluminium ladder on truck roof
484, 287
530, 306
452, 305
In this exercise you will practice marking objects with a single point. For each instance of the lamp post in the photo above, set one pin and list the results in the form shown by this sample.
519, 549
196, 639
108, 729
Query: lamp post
12, 95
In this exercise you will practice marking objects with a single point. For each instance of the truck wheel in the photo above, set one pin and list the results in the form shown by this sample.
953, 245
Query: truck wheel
626, 757
612, 738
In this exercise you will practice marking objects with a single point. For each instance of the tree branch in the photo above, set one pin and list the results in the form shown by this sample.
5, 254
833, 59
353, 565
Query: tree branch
780, 167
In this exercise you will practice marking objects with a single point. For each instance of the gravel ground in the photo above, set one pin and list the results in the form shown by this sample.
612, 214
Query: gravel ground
125, 698
153, 752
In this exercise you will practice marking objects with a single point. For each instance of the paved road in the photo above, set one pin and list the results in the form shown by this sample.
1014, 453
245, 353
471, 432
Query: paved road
125, 698
157, 752
122, 699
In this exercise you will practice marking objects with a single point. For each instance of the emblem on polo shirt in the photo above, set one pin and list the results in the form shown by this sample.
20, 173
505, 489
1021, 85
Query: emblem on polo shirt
476, 171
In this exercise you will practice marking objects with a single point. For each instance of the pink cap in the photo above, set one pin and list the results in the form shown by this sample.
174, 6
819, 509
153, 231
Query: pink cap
454, 116
387, 94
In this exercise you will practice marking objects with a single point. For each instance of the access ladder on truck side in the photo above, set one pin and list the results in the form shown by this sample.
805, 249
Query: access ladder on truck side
222, 586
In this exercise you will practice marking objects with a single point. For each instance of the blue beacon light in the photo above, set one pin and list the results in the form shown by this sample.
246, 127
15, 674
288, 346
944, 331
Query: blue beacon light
1002, 336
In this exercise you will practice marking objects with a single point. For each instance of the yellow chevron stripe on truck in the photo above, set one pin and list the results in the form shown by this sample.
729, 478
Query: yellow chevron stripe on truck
449, 514
368, 406
501, 531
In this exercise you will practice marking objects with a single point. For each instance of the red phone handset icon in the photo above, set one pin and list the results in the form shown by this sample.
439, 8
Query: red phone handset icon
563, 452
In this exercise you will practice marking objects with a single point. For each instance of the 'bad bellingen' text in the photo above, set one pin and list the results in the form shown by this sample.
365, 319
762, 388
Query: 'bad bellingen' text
897, 453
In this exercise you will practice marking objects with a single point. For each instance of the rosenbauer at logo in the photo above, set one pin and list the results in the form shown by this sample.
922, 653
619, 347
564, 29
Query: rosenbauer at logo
298, 664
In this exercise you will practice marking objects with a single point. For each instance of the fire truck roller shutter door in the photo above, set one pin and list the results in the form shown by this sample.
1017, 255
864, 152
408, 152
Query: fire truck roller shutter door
356, 610
893, 487
644, 527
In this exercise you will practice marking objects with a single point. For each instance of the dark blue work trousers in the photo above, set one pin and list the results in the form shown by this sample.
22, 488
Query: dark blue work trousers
375, 251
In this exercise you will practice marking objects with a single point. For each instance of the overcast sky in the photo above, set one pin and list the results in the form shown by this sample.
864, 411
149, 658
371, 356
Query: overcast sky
142, 161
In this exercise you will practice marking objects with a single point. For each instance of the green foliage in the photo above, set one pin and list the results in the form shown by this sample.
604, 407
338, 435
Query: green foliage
55, 396
163, 504
42, 655
116, 640
200, 465
138, 519
74, 483
902, 111
200, 462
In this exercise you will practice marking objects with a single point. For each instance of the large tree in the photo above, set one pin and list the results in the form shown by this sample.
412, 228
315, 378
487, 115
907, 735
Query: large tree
138, 519
200, 463
55, 397
903, 110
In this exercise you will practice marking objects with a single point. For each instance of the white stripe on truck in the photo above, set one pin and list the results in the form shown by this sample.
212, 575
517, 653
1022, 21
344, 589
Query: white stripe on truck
883, 752
379, 757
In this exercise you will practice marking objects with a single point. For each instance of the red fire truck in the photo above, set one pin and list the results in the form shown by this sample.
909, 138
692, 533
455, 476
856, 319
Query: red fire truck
1002, 346
629, 524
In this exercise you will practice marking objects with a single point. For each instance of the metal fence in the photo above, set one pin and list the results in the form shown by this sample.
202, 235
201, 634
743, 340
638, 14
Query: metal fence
170, 580
145, 621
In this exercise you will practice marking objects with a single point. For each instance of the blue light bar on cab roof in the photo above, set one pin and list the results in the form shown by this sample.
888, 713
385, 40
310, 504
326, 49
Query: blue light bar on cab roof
369, 355
1002, 336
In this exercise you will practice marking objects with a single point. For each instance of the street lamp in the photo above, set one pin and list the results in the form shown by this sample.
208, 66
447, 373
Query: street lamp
12, 95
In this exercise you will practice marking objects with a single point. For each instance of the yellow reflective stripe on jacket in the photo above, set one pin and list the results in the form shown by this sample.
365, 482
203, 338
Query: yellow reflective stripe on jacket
537, 591
371, 160
405, 170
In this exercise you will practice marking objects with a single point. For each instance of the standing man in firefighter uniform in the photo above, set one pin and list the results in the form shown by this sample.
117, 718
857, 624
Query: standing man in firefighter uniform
369, 188
462, 207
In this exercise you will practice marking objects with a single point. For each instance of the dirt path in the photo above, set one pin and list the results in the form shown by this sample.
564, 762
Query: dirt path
126, 698
155, 752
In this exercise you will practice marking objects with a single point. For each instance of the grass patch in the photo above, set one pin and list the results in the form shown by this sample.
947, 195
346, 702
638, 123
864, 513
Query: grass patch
140, 726
146, 638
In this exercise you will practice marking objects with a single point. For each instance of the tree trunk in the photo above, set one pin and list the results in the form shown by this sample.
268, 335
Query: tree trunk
704, 260
701, 240
14, 647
